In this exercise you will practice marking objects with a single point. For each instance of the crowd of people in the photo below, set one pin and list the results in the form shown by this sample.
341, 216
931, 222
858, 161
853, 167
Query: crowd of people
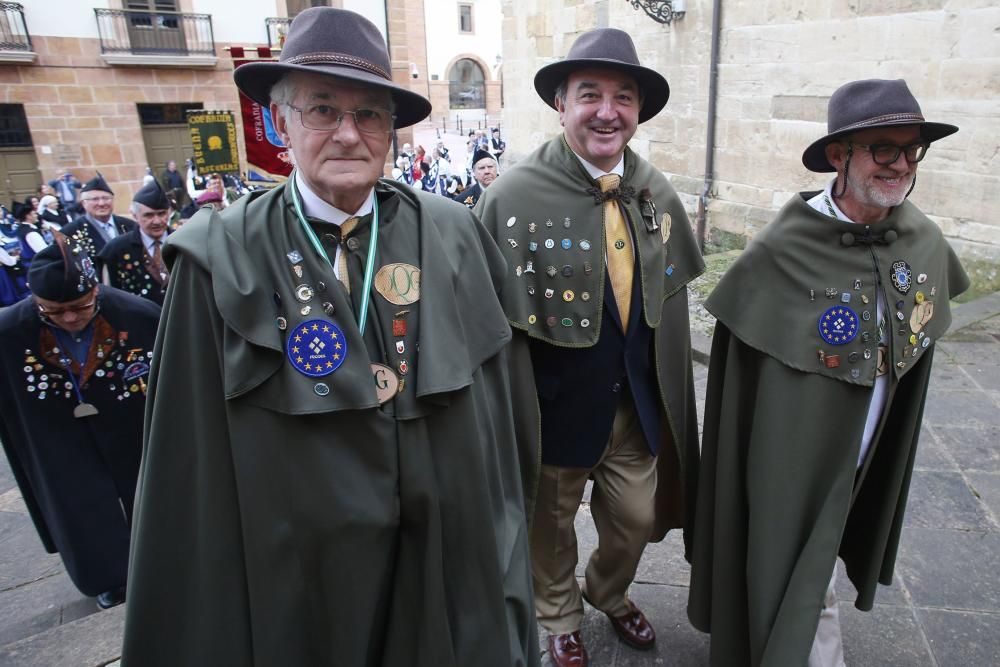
394, 393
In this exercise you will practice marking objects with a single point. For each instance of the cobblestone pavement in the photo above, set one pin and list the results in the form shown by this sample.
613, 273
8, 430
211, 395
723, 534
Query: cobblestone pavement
943, 609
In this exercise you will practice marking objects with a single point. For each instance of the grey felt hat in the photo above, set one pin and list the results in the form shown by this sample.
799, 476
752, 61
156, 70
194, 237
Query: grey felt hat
605, 48
867, 104
338, 42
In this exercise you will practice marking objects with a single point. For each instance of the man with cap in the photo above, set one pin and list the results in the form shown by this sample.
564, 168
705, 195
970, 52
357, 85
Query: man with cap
822, 352
98, 224
134, 261
345, 486
497, 145
29, 235
484, 171
599, 252
73, 372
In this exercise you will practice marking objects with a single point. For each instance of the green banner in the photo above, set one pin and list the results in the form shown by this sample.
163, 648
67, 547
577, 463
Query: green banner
213, 136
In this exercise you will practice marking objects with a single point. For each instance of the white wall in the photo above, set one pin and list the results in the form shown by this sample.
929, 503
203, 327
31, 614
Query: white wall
238, 21
373, 10
444, 41
62, 18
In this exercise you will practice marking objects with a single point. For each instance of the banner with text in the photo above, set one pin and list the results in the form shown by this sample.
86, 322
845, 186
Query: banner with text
268, 158
213, 137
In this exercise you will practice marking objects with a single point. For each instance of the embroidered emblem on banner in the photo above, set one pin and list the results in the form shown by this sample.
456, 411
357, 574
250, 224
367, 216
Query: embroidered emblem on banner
838, 325
399, 283
316, 347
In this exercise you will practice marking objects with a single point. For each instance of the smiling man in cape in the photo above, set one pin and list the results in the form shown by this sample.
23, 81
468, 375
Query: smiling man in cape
331, 473
826, 330
599, 253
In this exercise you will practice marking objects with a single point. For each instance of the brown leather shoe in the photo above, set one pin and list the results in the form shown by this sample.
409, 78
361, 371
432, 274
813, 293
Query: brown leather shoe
634, 628
567, 650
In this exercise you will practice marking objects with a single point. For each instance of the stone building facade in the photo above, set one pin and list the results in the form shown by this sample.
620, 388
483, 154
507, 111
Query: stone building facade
779, 62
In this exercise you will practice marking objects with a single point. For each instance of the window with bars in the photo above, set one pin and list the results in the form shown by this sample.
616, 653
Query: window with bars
13, 126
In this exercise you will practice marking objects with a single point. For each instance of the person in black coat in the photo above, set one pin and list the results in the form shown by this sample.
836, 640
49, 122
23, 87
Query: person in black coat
133, 261
73, 375
484, 170
98, 224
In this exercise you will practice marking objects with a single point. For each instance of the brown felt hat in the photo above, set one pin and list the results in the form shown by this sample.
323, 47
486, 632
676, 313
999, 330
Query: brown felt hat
605, 48
867, 104
337, 42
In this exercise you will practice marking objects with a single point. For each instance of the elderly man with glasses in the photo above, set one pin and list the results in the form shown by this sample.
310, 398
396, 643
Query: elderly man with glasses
826, 330
98, 225
74, 367
332, 473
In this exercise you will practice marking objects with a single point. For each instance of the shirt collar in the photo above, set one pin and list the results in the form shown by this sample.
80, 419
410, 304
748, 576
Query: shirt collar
104, 225
314, 207
826, 203
595, 172
148, 241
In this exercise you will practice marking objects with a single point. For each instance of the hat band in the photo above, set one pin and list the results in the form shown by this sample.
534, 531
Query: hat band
338, 59
887, 119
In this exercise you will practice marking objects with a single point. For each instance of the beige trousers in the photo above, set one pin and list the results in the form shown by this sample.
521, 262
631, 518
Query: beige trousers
828, 649
621, 503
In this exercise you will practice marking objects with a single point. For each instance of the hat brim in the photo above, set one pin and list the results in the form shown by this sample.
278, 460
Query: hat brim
256, 79
655, 89
814, 157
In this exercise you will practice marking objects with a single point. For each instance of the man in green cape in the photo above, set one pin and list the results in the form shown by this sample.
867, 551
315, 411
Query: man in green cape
331, 473
820, 363
599, 253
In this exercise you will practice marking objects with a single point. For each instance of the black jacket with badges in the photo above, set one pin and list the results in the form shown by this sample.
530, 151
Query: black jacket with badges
470, 195
78, 473
794, 361
546, 214
318, 526
127, 266
84, 232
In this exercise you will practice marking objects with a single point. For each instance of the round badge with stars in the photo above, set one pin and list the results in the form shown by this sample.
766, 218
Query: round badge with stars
316, 347
838, 325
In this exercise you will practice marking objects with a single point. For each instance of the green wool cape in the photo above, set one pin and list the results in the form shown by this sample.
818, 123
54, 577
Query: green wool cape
284, 519
550, 196
780, 494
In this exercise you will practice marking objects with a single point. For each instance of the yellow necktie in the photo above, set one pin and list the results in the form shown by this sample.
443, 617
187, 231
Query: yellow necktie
618, 249
345, 228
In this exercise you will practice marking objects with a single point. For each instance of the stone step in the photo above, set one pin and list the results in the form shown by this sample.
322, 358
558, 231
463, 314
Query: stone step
92, 641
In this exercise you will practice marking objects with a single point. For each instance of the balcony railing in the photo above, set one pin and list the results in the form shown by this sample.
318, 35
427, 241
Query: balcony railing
13, 30
155, 33
277, 28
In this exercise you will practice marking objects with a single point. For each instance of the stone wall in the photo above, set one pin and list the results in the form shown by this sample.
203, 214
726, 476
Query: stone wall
779, 62
77, 105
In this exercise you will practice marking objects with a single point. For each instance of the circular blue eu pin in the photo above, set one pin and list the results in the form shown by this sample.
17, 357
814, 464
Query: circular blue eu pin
566, 244
316, 347
901, 276
838, 325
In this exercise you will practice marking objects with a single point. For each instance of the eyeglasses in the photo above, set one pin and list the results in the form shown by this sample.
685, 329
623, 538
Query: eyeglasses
325, 118
100, 200
886, 154
59, 312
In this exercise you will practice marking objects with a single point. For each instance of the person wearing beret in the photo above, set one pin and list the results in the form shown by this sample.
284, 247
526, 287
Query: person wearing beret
599, 253
98, 224
816, 389
346, 484
134, 261
484, 171
74, 368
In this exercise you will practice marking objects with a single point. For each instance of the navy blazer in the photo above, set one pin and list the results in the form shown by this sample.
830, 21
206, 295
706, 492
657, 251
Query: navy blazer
579, 388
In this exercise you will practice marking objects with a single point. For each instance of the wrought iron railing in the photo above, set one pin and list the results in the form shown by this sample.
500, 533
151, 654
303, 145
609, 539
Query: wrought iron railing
155, 33
13, 30
277, 28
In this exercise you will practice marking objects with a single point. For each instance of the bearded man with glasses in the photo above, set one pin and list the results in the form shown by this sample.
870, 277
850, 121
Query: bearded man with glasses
73, 370
345, 486
822, 353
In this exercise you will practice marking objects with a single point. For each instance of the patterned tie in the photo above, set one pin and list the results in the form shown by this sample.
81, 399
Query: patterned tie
617, 249
156, 264
345, 228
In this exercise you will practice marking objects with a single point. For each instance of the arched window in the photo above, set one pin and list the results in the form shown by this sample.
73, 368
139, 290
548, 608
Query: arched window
467, 85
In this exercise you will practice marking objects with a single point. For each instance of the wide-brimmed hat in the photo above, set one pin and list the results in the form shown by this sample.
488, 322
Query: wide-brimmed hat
337, 42
605, 48
867, 104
